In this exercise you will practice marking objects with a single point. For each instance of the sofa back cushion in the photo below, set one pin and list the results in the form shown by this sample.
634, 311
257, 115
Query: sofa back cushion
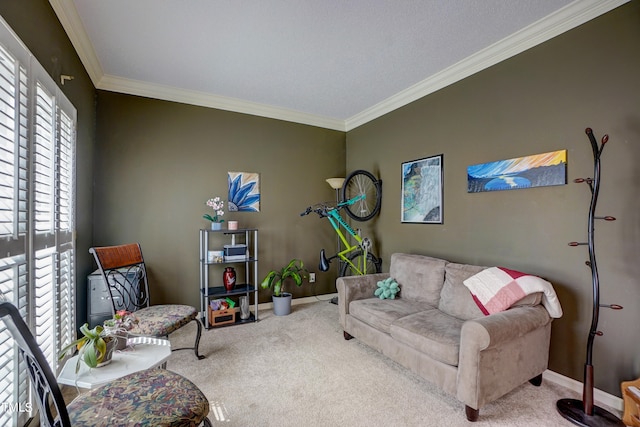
455, 298
420, 277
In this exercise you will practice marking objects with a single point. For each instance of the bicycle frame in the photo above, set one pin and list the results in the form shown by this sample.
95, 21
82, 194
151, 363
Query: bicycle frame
336, 221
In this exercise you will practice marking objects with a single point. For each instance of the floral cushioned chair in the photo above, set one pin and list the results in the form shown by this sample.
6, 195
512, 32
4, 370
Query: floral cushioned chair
154, 397
125, 273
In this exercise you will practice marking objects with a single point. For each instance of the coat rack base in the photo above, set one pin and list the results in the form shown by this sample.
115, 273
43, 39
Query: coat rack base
573, 410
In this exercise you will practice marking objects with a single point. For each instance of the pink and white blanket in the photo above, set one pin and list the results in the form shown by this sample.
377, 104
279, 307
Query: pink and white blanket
496, 289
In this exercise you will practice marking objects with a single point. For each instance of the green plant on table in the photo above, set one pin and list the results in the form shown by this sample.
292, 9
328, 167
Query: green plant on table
92, 346
276, 279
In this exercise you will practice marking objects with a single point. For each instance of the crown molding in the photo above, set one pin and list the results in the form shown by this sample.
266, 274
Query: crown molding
70, 20
170, 93
563, 20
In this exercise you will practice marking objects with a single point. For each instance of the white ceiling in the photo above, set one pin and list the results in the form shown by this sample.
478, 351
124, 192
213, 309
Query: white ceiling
331, 63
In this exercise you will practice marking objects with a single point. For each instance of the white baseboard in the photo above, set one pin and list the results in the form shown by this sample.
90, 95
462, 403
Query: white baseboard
598, 395
298, 301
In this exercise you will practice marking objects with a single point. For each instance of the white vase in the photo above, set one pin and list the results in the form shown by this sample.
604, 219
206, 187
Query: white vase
216, 226
244, 307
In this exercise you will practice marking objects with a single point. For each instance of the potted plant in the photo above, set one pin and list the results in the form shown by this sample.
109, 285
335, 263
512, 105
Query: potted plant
94, 347
217, 205
276, 279
119, 326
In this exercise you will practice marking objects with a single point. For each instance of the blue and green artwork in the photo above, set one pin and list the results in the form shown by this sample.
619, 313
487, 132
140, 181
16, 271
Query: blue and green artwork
538, 170
422, 191
244, 192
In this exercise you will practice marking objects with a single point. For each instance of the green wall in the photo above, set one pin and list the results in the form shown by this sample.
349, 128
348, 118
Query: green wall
541, 100
158, 163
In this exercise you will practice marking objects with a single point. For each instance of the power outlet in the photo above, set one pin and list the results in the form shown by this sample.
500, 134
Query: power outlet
312, 277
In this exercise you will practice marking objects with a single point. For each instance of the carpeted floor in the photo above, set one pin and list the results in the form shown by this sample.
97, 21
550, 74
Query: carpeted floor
298, 370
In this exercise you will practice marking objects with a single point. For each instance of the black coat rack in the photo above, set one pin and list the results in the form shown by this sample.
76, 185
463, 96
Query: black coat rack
584, 412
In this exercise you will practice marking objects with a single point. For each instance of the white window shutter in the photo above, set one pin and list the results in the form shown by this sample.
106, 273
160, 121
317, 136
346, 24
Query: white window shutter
37, 214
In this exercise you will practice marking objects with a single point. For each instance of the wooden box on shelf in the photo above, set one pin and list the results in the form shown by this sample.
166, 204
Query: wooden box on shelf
222, 317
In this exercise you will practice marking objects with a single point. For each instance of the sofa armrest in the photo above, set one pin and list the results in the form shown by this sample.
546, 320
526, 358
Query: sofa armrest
353, 288
491, 331
501, 351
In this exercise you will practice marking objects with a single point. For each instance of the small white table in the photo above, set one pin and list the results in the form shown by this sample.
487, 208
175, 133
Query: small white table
141, 353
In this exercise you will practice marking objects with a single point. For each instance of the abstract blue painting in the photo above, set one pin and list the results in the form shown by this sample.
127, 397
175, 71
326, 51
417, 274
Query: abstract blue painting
244, 192
538, 170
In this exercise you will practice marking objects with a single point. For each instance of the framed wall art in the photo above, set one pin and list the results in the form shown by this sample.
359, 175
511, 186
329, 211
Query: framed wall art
422, 191
538, 170
244, 192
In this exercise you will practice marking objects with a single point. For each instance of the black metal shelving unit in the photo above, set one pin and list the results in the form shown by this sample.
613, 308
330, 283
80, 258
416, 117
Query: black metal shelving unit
249, 266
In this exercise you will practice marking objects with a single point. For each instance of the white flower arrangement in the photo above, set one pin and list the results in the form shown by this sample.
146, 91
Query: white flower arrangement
218, 208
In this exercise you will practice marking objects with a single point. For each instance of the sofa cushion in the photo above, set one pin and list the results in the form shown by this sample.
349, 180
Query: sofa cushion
420, 277
455, 298
431, 332
381, 313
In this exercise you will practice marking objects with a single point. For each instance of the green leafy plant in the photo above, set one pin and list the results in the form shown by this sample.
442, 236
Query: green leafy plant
276, 279
92, 346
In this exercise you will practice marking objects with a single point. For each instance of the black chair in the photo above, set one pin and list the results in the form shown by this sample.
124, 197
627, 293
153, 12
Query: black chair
153, 397
125, 274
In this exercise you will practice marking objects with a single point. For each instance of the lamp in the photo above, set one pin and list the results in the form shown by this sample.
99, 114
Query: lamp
336, 184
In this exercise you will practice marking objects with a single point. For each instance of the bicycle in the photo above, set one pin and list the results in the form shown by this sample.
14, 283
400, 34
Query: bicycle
362, 195
362, 183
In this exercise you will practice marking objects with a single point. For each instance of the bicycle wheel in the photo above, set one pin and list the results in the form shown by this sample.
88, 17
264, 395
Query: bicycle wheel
358, 183
374, 264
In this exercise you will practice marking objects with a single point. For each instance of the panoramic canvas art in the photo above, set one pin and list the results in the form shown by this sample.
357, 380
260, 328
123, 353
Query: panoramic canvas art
422, 191
244, 192
538, 170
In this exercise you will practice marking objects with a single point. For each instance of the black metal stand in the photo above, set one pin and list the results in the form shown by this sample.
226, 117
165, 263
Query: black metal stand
585, 413
573, 410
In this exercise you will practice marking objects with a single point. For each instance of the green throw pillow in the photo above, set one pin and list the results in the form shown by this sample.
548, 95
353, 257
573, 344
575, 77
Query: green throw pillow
387, 289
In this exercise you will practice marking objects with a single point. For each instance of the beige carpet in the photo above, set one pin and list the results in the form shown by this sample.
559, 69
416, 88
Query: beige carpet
298, 370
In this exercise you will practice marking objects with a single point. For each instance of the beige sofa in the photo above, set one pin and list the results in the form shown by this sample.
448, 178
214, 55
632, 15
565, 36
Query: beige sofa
434, 328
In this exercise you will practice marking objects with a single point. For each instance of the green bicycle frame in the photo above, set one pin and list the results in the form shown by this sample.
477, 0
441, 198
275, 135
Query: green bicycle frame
336, 221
